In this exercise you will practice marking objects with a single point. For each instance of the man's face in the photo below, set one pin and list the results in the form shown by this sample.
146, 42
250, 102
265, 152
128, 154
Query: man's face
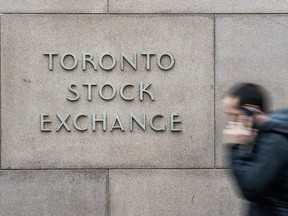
231, 109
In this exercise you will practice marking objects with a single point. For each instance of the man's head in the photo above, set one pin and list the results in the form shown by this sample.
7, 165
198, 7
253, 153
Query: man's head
245, 95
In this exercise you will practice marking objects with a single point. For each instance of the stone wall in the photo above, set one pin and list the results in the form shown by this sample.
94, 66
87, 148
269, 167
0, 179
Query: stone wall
68, 150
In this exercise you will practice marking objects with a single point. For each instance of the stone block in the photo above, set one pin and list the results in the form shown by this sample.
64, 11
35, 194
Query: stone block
54, 193
29, 89
174, 192
197, 6
250, 48
53, 6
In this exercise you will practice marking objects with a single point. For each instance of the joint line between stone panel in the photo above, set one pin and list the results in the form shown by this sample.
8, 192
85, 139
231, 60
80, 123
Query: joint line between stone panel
108, 6
108, 211
1, 92
214, 53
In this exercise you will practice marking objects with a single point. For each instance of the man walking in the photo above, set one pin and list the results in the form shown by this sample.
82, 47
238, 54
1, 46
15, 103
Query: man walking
258, 146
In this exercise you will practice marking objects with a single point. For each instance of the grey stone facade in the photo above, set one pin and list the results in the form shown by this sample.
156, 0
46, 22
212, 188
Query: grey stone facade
78, 167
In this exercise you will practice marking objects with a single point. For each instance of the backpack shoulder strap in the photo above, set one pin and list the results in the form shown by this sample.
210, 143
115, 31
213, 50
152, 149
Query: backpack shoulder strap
279, 132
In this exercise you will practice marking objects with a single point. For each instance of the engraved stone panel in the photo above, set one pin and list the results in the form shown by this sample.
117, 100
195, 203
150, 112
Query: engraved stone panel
53, 193
250, 48
174, 192
53, 6
176, 84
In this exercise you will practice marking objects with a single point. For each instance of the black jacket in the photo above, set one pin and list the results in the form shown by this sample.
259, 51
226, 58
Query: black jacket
262, 173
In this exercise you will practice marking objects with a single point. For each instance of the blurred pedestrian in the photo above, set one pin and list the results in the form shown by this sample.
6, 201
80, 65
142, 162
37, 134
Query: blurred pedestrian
258, 146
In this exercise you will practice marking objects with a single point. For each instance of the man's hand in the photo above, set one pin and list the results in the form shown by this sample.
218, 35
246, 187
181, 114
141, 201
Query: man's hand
239, 132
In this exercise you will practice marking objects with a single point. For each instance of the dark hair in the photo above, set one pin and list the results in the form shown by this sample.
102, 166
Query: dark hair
251, 94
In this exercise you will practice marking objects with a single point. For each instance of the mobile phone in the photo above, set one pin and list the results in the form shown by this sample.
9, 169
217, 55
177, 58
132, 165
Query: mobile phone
250, 111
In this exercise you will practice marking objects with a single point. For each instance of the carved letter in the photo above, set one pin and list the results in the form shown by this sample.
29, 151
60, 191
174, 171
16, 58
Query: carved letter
143, 90
50, 59
75, 122
141, 124
77, 94
89, 91
119, 126
112, 95
43, 121
173, 121
122, 92
148, 62
63, 123
132, 63
74, 59
87, 57
113, 62
103, 120
172, 61
152, 123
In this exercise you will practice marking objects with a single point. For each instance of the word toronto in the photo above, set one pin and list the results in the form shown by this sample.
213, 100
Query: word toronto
89, 58
83, 122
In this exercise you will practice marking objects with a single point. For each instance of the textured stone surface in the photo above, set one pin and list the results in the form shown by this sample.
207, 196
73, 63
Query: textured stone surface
53, 193
251, 48
198, 6
29, 88
53, 6
173, 192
